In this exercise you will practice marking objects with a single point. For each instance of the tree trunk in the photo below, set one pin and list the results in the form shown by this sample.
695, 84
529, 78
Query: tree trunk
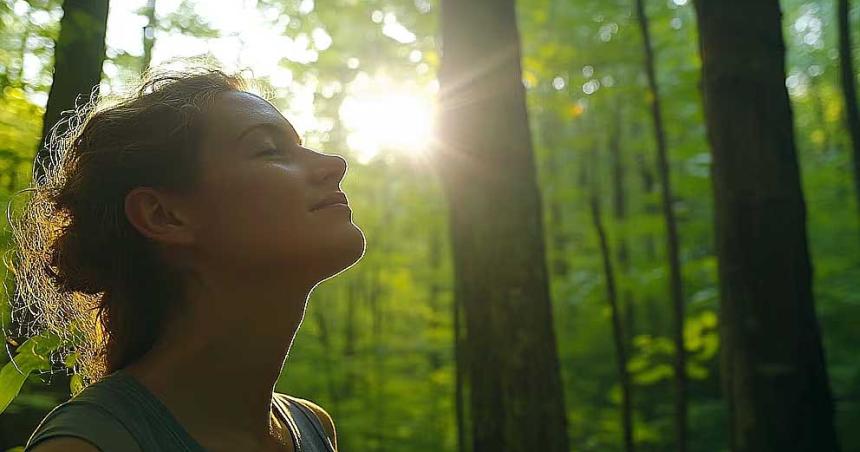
672, 241
78, 57
773, 365
617, 329
496, 223
849, 88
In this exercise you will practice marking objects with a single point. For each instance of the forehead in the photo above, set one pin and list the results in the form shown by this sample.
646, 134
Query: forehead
234, 111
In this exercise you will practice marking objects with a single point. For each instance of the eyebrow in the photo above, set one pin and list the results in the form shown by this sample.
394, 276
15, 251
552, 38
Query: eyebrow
272, 126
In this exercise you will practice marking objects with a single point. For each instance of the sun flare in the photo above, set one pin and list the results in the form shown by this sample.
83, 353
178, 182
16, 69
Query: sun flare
396, 120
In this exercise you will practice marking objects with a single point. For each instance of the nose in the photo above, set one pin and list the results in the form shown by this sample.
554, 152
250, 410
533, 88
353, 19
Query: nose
331, 166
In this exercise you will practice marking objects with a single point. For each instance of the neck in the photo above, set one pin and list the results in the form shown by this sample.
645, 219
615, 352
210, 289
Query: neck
217, 363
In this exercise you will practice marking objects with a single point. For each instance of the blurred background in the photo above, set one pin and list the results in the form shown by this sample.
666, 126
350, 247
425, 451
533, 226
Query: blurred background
378, 346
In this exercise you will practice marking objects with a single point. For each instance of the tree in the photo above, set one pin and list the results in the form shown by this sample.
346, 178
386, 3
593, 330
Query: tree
617, 330
676, 288
78, 58
487, 168
773, 366
849, 88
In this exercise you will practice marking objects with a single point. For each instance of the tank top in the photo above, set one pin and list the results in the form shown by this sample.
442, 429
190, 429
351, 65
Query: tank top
119, 414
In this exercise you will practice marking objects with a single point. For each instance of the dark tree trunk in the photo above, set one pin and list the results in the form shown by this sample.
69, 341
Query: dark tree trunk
672, 241
773, 365
617, 329
488, 174
78, 57
849, 88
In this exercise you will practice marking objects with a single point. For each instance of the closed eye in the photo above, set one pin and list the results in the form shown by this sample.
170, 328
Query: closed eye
270, 151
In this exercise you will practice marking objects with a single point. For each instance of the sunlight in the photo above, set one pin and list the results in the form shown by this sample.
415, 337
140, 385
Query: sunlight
379, 113
387, 118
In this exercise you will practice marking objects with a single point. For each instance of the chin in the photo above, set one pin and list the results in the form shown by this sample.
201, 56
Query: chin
347, 252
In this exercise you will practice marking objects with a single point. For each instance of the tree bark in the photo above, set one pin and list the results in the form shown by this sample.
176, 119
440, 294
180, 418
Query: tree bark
496, 223
78, 57
772, 361
672, 241
617, 329
849, 89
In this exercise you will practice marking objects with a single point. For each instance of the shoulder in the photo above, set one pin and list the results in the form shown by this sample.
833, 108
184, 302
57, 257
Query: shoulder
322, 414
80, 427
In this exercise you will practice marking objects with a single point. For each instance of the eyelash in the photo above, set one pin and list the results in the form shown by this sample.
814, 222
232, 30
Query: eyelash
277, 150
270, 151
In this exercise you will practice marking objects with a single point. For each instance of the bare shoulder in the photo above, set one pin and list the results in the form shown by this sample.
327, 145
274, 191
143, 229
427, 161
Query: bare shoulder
323, 416
64, 444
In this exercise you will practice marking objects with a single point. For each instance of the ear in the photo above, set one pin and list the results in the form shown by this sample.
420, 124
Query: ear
158, 216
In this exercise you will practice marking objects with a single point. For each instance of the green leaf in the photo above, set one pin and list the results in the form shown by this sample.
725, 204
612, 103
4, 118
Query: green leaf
76, 384
14, 373
71, 359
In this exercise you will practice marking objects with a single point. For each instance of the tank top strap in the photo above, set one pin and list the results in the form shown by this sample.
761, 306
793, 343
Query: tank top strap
312, 433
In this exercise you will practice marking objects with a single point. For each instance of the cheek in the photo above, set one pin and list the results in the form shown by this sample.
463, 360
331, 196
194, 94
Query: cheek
257, 214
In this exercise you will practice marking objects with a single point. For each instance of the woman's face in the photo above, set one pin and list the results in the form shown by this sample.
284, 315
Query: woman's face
253, 206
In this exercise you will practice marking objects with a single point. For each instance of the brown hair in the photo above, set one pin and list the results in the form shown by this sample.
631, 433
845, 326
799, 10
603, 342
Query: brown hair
82, 271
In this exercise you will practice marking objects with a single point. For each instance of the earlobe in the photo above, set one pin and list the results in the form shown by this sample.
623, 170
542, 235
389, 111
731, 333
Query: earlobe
154, 216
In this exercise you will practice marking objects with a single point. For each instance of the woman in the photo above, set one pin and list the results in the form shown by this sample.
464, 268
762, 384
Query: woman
187, 228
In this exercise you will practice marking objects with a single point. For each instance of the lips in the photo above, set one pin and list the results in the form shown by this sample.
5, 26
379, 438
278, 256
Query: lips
337, 197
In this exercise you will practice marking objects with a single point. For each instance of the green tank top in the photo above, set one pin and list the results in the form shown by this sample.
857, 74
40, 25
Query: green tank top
119, 414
